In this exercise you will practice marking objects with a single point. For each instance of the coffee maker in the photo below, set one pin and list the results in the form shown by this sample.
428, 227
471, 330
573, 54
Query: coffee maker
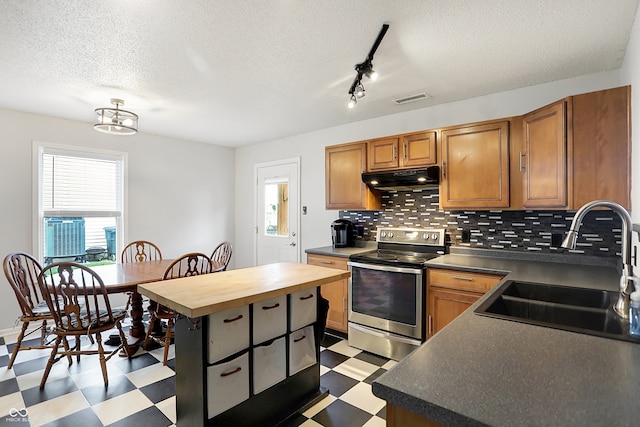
342, 233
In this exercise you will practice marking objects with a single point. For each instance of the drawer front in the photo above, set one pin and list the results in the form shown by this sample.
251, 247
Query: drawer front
302, 349
463, 280
227, 384
269, 365
228, 332
304, 308
269, 319
328, 261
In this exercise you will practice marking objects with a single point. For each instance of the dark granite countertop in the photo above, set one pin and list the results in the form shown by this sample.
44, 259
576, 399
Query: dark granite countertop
484, 371
343, 252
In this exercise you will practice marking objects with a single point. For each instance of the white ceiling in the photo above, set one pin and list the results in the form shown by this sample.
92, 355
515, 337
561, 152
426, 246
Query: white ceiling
234, 72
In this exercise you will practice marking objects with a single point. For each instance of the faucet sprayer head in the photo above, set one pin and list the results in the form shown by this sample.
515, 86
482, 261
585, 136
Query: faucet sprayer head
569, 242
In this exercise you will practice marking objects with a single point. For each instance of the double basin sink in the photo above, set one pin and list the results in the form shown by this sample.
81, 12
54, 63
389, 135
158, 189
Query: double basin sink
587, 311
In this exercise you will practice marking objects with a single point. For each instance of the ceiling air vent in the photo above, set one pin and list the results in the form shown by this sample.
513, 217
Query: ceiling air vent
412, 98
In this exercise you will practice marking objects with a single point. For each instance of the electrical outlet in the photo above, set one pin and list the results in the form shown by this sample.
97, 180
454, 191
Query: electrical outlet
466, 235
556, 240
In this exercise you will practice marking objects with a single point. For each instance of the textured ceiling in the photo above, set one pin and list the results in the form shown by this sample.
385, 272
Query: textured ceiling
234, 72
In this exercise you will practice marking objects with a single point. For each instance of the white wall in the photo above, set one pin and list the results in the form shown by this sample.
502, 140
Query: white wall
630, 74
314, 228
180, 193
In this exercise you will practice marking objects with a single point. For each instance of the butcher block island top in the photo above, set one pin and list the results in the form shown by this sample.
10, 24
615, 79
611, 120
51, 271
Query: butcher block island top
210, 293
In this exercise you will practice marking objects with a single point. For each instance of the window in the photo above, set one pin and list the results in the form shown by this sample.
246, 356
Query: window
80, 203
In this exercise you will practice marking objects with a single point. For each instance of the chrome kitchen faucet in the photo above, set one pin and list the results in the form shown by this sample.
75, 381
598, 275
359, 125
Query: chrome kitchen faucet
627, 279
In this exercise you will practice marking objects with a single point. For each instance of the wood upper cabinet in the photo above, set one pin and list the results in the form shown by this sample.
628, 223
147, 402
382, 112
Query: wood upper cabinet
544, 159
475, 166
602, 146
450, 292
335, 292
401, 152
383, 154
344, 188
577, 150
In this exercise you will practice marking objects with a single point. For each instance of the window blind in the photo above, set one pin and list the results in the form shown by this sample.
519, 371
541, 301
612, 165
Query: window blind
71, 183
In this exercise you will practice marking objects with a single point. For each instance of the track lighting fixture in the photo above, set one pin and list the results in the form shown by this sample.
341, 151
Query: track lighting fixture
352, 101
365, 69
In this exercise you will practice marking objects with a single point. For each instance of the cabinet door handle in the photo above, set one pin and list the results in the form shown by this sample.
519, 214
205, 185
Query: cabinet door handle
322, 261
430, 325
234, 319
395, 152
271, 307
469, 279
299, 339
307, 297
444, 169
344, 304
521, 162
404, 151
235, 371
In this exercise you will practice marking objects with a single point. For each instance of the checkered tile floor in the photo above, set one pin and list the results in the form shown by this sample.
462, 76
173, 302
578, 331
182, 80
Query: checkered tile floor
142, 391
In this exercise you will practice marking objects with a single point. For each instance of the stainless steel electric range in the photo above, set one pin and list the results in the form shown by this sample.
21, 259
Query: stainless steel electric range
387, 291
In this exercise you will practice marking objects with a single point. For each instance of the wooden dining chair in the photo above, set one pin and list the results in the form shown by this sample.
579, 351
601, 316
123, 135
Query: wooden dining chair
191, 264
78, 300
140, 250
221, 256
22, 272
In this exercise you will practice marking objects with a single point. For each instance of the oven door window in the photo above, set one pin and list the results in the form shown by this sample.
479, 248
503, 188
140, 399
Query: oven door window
386, 295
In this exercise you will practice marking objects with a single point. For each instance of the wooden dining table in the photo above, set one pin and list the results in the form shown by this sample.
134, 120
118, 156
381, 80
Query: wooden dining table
124, 278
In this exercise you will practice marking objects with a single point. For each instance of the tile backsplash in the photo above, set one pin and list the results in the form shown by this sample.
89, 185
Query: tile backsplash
526, 231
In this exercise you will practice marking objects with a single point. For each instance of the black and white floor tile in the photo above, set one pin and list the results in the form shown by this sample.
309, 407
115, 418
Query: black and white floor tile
142, 391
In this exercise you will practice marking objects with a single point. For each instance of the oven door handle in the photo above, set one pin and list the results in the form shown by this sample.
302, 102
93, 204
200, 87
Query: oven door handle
388, 268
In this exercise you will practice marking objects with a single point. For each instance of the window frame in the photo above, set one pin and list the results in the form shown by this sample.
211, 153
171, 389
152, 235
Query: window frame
40, 148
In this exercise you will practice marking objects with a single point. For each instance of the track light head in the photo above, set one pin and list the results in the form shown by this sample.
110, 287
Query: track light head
365, 69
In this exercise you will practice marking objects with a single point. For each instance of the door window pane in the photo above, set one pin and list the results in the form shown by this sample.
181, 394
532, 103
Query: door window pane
276, 213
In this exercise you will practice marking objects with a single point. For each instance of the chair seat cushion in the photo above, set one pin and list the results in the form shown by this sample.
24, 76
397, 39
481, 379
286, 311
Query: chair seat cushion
101, 319
41, 309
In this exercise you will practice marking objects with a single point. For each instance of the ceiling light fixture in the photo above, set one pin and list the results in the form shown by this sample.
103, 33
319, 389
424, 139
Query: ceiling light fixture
352, 101
116, 121
365, 69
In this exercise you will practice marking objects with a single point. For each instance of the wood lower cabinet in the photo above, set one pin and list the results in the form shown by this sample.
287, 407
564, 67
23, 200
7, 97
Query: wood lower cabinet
401, 152
475, 166
335, 292
344, 188
400, 417
450, 292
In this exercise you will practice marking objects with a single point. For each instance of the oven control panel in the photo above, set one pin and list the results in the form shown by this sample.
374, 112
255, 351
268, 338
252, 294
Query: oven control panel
414, 236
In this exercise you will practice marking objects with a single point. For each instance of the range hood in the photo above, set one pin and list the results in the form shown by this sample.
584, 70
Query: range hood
408, 179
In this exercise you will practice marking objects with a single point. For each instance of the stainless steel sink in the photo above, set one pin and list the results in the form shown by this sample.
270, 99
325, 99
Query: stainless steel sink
581, 310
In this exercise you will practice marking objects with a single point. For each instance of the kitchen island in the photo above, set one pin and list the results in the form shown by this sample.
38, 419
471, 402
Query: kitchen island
485, 371
234, 322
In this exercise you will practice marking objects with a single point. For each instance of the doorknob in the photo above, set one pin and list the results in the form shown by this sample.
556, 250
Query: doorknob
292, 244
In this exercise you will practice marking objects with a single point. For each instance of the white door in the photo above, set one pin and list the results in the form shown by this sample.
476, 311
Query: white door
277, 212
